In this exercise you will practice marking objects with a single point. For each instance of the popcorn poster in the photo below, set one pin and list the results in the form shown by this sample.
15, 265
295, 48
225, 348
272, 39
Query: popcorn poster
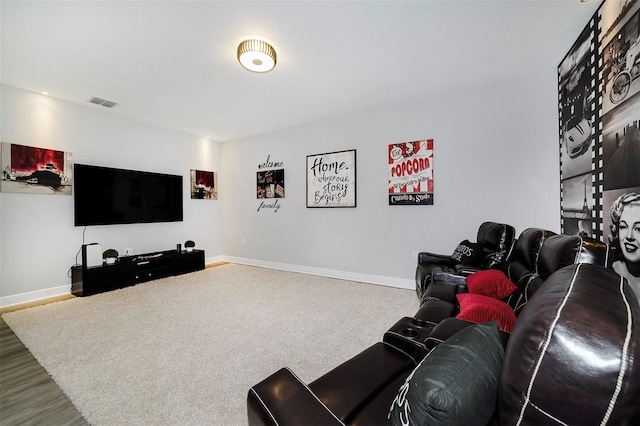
411, 173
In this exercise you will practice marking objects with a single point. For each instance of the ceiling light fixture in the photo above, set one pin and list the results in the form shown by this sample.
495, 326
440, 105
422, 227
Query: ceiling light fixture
257, 55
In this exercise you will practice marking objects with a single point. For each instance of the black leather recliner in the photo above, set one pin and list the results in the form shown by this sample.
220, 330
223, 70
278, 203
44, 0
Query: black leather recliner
572, 358
557, 252
496, 241
538, 249
521, 266
357, 392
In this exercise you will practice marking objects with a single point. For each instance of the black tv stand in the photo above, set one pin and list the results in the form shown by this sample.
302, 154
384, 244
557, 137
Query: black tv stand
132, 270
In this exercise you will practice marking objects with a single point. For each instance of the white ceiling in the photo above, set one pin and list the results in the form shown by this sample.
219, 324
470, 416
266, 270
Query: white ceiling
173, 63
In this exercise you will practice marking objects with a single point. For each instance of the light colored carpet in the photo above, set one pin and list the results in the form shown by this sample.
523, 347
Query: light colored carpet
185, 350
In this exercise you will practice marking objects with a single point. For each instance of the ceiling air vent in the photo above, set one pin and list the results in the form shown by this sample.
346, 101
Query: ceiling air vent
104, 102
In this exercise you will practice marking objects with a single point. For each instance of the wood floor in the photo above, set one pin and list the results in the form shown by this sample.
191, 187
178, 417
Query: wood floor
28, 395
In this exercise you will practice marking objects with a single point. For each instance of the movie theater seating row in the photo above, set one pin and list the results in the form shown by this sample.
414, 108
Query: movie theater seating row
509, 342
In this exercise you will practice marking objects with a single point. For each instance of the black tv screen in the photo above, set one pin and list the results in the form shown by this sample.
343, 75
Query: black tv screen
108, 196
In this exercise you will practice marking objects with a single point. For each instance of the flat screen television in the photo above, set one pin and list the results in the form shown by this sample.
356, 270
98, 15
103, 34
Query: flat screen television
108, 196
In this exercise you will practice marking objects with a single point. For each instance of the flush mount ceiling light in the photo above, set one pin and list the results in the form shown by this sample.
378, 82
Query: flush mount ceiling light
257, 55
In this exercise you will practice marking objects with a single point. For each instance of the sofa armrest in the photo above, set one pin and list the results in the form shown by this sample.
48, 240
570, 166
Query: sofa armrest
440, 259
282, 399
435, 310
466, 270
351, 385
447, 277
443, 289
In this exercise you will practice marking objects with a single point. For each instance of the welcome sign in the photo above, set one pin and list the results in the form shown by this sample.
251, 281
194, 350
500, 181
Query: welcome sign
411, 173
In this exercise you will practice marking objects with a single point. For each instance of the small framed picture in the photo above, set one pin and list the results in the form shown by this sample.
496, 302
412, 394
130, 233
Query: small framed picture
204, 185
270, 184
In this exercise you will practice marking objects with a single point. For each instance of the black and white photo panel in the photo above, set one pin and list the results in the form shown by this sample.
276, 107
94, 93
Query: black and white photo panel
578, 205
577, 106
620, 43
621, 145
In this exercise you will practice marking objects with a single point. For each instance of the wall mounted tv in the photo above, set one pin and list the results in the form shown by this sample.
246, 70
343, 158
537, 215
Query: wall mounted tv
108, 196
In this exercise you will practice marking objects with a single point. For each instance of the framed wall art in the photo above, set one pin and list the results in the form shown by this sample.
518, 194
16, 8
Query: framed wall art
29, 169
331, 179
270, 184
411, 173
204, 185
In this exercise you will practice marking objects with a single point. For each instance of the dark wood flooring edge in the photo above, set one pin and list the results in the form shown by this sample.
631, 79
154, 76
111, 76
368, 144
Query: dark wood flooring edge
28, 394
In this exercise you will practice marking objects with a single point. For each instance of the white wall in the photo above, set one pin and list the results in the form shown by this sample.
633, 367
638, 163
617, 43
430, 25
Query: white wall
495, 158
39, 241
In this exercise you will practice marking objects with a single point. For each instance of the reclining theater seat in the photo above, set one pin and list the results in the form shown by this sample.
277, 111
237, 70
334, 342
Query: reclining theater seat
538, 249
436, 321
335, 398
574, 355
524, 262
494, 243
557, 252
439, 307
572, 358
521, 266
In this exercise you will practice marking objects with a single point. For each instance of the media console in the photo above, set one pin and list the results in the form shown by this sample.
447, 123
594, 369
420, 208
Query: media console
131, 270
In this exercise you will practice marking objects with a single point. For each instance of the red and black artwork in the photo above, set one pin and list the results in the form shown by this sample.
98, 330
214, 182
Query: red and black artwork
204, 185
411, 173
37, 170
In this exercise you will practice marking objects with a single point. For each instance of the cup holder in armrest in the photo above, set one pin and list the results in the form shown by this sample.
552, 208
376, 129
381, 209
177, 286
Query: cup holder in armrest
408, 335
418, 322
410, 332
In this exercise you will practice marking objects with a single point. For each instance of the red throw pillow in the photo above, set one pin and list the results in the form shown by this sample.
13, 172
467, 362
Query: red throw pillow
477, 308
491, 283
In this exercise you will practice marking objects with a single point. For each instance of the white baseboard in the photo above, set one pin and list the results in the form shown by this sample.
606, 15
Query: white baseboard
33, 296
63, 290
329, 273
215, 259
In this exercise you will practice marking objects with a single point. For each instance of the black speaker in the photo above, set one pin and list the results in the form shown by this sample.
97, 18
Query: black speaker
91, 255
84, 255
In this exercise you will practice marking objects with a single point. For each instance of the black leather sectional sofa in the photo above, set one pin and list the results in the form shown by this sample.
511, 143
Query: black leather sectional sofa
568, 351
